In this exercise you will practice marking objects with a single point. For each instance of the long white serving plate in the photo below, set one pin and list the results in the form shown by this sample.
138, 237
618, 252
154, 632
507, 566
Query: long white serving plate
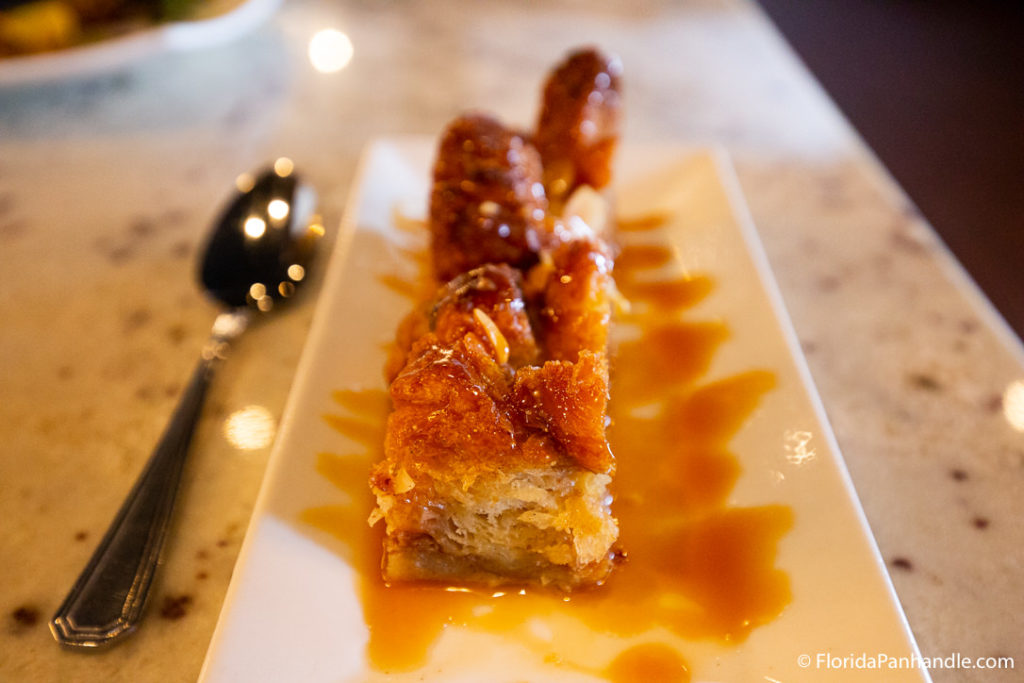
293, 610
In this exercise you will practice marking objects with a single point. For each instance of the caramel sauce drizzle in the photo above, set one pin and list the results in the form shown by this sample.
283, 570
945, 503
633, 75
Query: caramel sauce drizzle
694, 565
411, 290
644, 223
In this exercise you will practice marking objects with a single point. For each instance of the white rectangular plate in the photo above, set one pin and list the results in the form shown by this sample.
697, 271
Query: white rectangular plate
293, 610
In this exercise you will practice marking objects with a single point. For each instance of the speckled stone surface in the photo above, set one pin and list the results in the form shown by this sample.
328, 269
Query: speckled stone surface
107, 186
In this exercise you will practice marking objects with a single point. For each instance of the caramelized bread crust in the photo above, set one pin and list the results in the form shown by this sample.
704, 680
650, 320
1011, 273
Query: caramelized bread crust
578, 127
576, 310
495, 469
496, 290
487, 204
493, 476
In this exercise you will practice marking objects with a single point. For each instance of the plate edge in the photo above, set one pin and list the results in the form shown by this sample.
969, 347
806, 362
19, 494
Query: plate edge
755, 248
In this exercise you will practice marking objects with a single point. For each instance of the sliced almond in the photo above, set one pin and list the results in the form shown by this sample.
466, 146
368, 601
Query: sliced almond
494, 335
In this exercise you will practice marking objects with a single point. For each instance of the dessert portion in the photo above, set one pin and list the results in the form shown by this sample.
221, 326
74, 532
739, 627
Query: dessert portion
496, 467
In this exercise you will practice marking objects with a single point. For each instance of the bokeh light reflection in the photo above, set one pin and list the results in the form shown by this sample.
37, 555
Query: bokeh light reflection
330, 51
278, 209
255, 227
1013, 404
250, 428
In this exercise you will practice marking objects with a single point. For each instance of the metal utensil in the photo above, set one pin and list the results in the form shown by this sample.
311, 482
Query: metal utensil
257, 255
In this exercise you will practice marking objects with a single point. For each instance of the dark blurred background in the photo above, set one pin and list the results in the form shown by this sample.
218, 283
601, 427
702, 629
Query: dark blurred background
936, 89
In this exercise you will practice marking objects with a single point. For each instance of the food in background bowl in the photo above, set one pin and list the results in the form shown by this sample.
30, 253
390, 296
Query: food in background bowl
46, 25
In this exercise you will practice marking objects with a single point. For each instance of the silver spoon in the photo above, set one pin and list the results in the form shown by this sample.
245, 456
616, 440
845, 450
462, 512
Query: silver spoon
257, 254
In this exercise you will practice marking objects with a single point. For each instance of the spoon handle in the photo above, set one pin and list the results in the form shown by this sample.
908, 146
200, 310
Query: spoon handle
107, 600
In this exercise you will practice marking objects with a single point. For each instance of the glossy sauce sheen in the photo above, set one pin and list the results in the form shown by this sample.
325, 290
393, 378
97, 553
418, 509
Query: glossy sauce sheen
692, 564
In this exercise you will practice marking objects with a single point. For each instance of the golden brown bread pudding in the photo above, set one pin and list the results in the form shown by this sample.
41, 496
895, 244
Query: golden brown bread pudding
496, 465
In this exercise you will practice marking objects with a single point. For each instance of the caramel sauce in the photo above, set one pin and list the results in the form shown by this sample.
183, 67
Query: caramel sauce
633, 257
641, 223
410, 289
667, 295
416, 226
693, 565
649, 663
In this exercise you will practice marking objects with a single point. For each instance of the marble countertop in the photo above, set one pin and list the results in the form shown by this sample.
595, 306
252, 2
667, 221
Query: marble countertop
108, 184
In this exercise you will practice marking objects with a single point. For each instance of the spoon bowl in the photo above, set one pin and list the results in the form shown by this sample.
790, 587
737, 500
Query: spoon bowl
258, 253
263, 242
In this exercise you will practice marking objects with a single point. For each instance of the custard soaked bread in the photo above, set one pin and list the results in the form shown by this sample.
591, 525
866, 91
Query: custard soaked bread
496, 465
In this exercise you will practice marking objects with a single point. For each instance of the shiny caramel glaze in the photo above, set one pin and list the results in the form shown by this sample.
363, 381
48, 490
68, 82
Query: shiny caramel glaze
460, 409
449, 311
451, 416
575, 310
578, 127
487, 204
694, 565
496, 291
563, 404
